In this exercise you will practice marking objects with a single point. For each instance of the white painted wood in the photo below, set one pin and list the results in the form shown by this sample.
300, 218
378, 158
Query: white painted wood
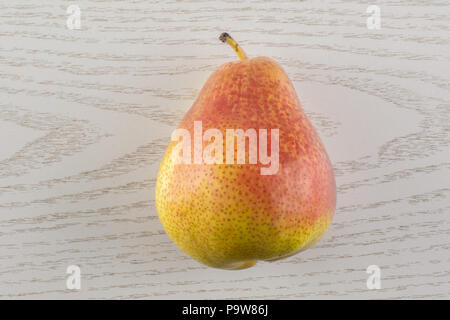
85, 116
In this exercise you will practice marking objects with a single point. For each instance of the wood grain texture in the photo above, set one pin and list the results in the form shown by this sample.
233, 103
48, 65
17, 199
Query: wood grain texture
85, 116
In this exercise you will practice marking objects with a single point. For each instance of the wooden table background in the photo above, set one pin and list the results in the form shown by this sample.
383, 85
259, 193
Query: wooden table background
85, 116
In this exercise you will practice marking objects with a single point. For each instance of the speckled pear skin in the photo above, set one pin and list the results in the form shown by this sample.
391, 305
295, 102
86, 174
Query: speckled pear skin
227, 215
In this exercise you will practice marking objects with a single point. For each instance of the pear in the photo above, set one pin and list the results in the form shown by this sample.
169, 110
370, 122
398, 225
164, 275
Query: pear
221, 205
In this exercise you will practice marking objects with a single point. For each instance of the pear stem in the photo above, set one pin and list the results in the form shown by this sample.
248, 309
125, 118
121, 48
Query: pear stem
226, 38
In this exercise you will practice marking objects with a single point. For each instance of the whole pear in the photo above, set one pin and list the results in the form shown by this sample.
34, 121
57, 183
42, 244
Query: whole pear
230, 215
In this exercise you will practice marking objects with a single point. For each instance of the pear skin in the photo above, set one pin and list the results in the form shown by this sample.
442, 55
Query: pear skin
230, 216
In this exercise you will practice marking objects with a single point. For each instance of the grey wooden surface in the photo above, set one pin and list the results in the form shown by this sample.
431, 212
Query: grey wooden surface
85, 116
